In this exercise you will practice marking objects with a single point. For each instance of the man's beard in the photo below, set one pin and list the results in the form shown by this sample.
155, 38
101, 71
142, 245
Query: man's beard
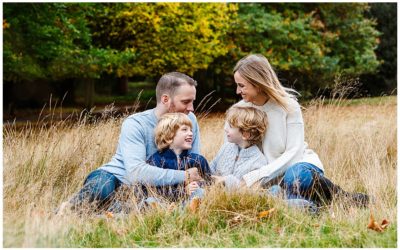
172, 108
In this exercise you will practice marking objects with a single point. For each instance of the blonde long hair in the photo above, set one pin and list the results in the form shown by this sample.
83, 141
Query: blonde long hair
256, 70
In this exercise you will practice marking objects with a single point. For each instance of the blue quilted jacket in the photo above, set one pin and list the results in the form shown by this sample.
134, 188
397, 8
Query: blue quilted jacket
167, 159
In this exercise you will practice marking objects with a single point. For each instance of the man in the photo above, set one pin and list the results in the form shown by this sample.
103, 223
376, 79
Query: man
175, 92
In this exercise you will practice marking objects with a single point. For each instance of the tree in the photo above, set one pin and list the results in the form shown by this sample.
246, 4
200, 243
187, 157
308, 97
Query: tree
165, 36
308, 44
386, 78
51, 41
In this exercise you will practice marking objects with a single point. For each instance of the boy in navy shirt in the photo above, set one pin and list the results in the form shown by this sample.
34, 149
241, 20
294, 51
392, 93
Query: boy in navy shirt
174, 137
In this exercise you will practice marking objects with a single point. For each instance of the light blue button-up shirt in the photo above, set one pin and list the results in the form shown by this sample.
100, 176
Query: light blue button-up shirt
136, 144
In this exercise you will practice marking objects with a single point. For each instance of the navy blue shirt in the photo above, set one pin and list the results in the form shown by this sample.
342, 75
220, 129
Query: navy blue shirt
167, 159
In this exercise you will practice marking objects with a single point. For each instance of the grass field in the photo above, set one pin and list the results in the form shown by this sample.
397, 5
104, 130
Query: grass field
357, 144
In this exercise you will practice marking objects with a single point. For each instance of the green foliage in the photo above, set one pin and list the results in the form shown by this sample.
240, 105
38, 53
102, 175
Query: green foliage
308, 44
166, 36
385, 15
52, 41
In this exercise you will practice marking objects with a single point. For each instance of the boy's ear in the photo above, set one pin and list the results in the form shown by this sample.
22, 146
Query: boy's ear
246, 135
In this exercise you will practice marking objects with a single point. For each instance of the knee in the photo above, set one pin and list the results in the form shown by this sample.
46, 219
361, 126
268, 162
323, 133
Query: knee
104, 190
294, 173
298, 176
100, 188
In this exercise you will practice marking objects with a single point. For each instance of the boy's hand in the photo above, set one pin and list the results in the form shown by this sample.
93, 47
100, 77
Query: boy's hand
191, 175
218, 179
191, 187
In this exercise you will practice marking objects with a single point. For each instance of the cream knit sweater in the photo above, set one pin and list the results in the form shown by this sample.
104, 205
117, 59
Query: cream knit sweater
283, 144
234, 162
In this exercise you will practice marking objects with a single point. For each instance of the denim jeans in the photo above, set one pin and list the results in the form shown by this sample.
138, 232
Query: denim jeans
99, 186
298, 180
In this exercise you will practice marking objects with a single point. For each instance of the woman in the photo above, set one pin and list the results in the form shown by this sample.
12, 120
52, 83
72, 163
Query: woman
291, 163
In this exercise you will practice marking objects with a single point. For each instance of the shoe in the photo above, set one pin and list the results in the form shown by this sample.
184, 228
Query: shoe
303, 204
360, 199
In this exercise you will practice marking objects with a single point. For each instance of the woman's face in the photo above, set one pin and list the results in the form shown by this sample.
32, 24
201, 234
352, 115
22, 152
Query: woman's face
248, 91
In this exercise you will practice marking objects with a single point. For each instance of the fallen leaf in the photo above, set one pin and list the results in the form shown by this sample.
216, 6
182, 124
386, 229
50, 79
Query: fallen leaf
109, 215
384, 223
235, 220
266, 213
194, 204
373, 225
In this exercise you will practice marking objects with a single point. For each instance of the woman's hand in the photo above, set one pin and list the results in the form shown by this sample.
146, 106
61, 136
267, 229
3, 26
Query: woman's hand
191, 175
218, 179
191, 187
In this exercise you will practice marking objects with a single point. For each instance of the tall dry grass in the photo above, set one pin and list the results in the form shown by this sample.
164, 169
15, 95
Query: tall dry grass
44, 166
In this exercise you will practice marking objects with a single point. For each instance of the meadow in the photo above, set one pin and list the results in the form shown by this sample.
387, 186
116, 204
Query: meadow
44, 165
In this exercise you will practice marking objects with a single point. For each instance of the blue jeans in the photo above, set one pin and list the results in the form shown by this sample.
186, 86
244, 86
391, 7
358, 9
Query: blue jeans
99, 186
298, 180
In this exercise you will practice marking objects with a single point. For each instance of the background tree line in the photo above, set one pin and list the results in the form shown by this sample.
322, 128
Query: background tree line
98, 44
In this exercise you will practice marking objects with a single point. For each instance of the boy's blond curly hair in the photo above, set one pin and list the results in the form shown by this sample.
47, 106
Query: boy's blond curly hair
166, 128
250, 120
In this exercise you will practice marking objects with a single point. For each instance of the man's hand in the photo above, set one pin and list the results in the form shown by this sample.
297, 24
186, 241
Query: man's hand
191, 187
191, 175
218, 179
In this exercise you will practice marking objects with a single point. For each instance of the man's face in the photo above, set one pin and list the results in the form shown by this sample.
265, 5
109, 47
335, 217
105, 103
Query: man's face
183, 99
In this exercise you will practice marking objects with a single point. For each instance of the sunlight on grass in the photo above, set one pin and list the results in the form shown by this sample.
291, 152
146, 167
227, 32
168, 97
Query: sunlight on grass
44, 165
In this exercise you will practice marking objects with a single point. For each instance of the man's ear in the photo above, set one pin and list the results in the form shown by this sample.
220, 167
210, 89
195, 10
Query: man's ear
164, 98
245, 135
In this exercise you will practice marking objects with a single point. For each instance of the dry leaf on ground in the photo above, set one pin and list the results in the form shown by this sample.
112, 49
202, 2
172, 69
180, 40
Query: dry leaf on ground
266, 213
373, 225
109, 215
194, 204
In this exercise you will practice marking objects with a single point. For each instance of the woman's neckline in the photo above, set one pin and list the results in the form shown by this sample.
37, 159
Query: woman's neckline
267, 101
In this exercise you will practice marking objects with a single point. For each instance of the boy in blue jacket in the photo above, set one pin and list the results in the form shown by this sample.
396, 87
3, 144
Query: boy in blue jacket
174, 137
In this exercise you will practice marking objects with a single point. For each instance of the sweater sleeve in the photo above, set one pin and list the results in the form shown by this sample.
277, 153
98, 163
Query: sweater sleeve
294, 146
214, 163
133, 150
231, 182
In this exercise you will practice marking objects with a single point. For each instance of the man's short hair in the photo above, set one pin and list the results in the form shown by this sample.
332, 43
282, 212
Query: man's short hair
248, 119
166, 128
170, 82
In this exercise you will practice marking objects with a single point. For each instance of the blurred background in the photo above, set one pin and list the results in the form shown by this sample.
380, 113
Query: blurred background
78, 56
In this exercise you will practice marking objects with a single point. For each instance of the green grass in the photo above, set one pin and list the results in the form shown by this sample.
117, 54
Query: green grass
285, 228
45, 166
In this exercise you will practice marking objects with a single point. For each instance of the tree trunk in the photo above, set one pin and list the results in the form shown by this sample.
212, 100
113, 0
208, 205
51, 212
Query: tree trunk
122, 88
89, 93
